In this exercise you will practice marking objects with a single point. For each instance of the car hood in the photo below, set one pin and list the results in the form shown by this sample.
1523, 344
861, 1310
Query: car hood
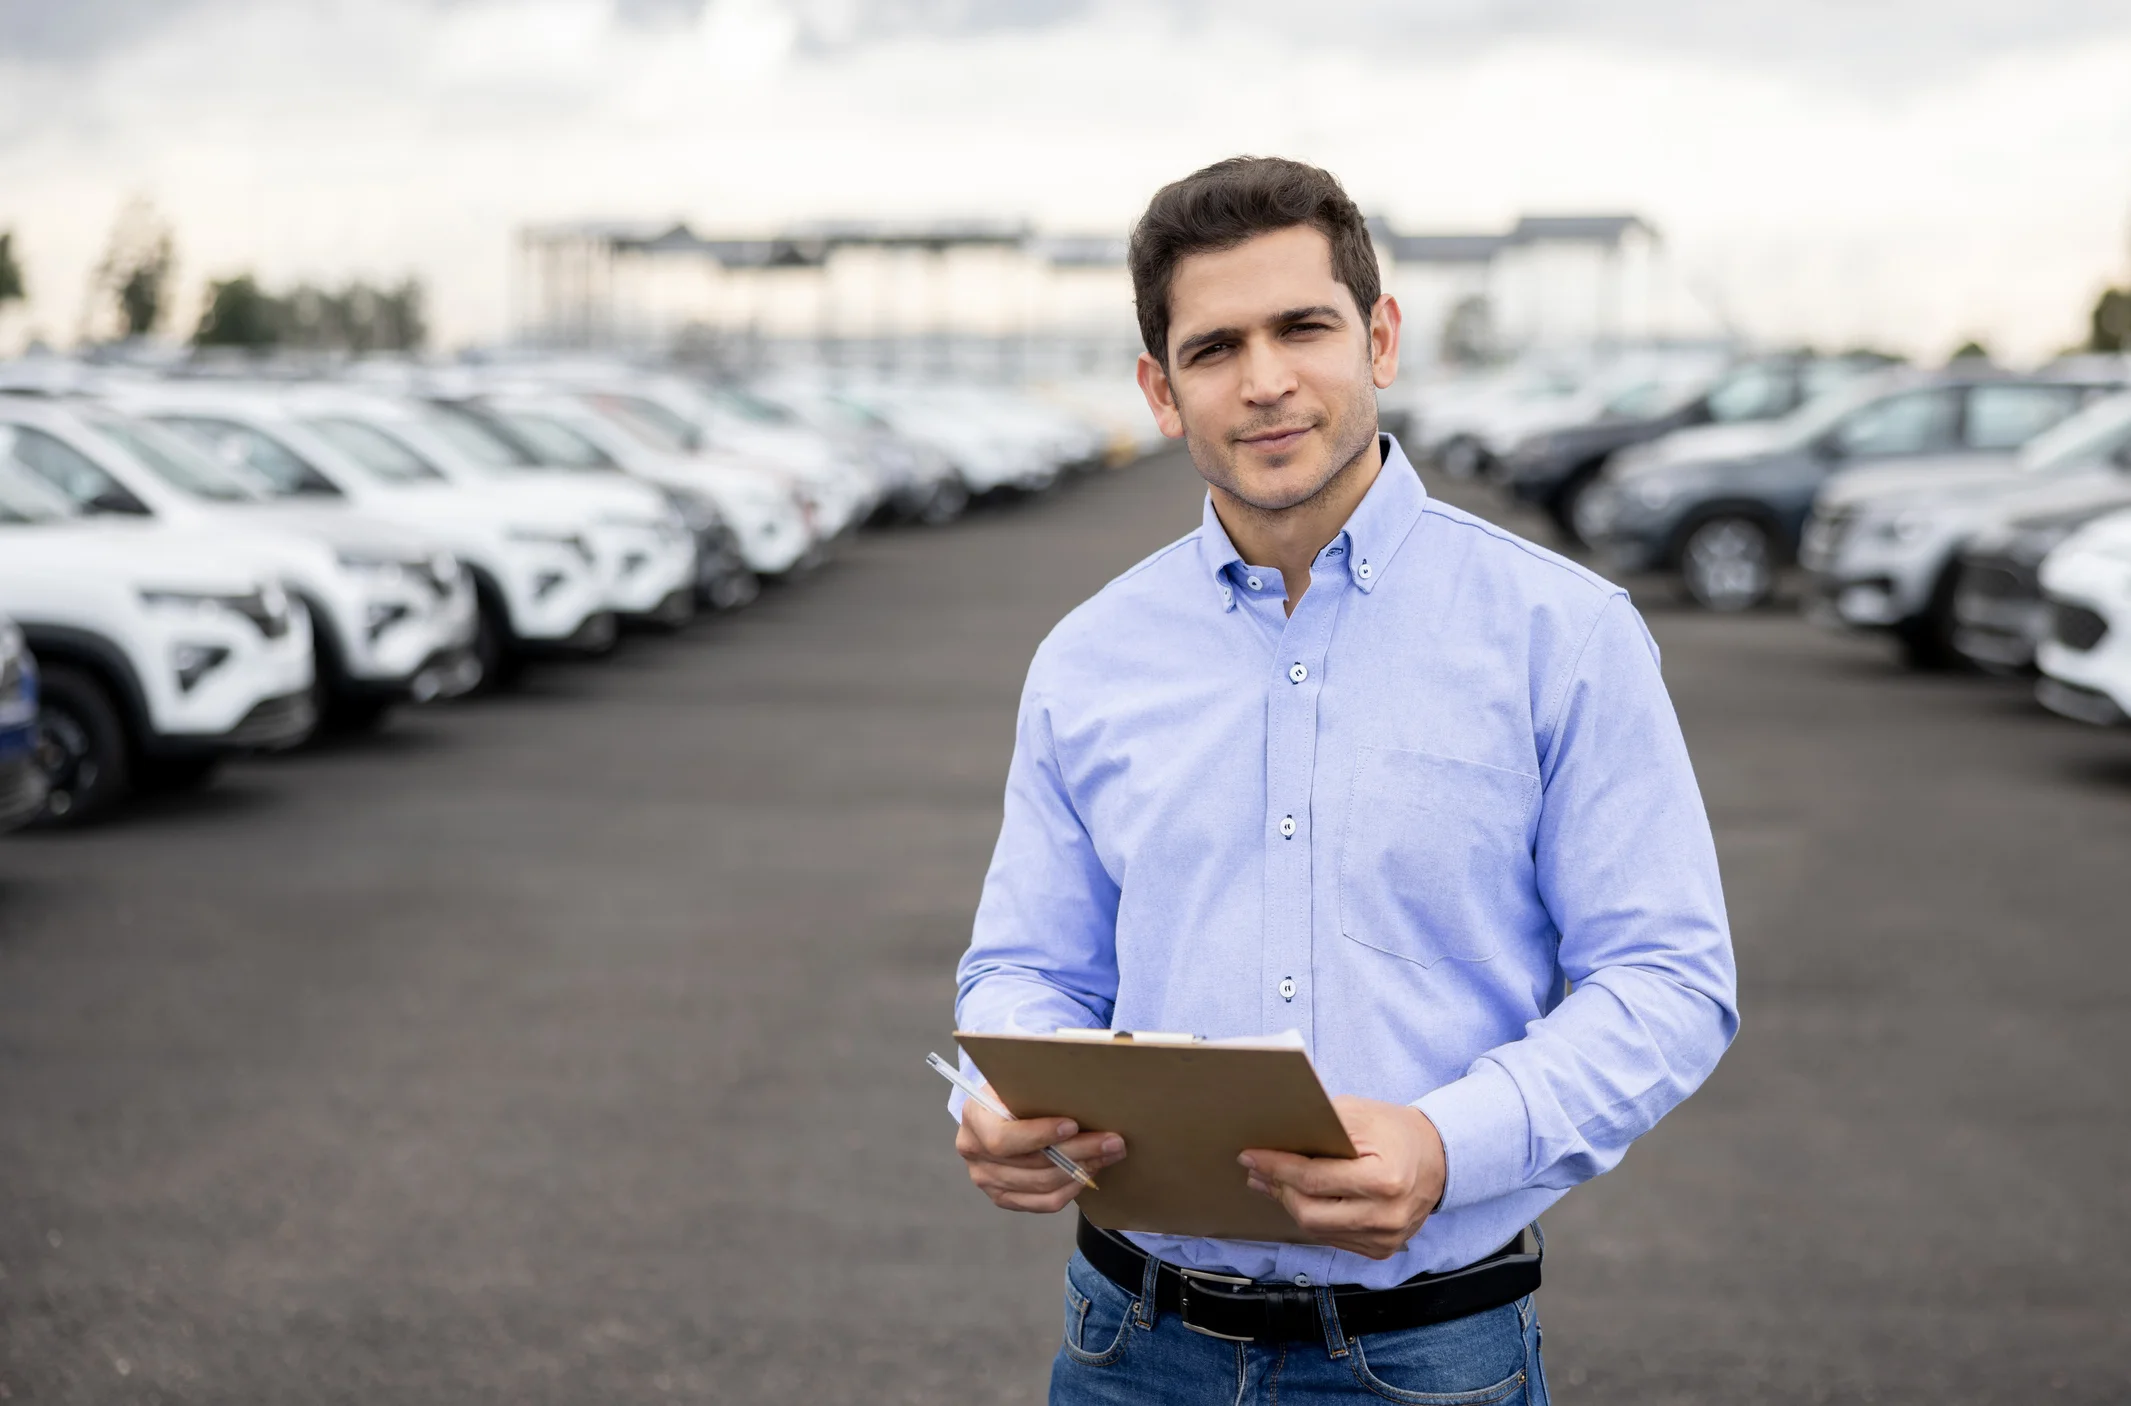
1709, 443
150, 554
1921, 482
343, 529
2110, 534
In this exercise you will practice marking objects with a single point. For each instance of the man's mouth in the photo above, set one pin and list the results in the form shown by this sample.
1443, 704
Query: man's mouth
1276, 441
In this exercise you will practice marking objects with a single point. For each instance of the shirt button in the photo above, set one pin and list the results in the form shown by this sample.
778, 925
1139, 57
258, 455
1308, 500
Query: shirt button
1302, 1280
1287, 827
1364, 571
1253, 582
1287, 988
1296, 673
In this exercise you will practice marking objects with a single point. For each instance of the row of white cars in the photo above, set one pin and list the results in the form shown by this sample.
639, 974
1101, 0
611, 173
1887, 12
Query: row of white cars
192, 566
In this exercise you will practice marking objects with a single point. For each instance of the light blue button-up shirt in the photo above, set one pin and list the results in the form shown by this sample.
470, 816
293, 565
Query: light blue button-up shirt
1441, 821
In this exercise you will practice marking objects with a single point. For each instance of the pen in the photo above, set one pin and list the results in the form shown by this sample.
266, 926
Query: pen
1058, 1159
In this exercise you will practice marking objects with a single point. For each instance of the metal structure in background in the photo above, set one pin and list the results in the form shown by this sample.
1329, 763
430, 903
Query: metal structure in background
1004, 299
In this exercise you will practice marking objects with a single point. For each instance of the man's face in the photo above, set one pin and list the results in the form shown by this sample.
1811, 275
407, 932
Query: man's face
1273, 371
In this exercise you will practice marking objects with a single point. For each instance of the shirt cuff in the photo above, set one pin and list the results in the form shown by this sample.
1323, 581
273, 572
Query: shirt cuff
1485, 1133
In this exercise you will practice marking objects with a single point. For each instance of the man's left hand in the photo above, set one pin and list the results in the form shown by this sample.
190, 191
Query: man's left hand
1371, 1204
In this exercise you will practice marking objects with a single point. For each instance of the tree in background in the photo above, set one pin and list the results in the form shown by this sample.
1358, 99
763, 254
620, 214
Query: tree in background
239, 313
357, 319
2111, 322
136, 267
12, 289
1970, 350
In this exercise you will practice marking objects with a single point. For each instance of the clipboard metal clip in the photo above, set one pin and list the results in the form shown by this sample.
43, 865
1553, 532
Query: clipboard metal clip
1184, 1301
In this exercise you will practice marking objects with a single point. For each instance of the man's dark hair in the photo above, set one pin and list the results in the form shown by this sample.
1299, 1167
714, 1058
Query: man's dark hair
1234, 200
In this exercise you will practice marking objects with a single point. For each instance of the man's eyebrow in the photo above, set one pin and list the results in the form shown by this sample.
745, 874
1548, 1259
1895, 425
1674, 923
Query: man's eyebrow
1286, 317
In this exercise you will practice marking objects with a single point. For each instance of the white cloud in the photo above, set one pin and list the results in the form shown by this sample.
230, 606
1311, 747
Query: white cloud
1989, 195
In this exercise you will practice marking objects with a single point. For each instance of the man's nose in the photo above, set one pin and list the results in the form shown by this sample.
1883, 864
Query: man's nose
1267, 375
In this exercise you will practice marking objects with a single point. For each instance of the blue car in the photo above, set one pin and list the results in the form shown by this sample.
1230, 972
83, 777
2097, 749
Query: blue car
21, 773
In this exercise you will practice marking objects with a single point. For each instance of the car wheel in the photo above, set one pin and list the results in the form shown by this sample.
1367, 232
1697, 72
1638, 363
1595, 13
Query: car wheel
946, 503
493, 647
1462, 457
1569, 508
81, 747
1927, 641
1729, 563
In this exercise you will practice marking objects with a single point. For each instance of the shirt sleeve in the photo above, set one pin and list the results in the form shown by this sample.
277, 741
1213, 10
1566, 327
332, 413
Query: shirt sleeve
1627, 868
1043, 954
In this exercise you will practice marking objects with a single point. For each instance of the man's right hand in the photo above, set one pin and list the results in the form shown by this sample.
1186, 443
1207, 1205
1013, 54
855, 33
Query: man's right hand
1006, 1160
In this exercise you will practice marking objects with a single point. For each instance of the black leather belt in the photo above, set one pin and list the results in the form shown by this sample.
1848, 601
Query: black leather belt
1224, 1306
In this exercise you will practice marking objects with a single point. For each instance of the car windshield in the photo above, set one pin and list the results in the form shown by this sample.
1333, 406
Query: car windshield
279, 470
554, 442
172, 460
375, 452
750, 406
649, 421
2096, 434
1754, 392
22, 498
1819, 415
475, 437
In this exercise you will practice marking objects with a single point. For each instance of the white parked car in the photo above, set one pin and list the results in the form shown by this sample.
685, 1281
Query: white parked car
641, 545
1883, 543
2086, 660
536, 577
392, 613
159, 649
769, 525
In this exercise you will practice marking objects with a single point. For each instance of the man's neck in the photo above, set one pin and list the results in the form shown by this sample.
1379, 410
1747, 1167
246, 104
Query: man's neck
1290, 539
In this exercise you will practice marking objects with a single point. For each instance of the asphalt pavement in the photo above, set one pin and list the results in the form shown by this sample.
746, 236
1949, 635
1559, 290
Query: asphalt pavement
567, 1046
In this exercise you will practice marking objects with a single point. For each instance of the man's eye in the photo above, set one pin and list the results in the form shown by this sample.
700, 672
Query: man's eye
1210, 349
1308, 327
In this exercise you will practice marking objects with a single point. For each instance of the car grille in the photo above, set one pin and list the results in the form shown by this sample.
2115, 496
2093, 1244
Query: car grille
275, 722
1824, 533
2077, 627
1997, 581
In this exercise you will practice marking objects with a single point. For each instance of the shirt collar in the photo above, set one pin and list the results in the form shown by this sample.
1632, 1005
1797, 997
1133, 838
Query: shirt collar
1377, 528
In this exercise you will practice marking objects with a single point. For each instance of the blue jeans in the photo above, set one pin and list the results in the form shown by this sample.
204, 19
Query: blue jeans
1113, 1353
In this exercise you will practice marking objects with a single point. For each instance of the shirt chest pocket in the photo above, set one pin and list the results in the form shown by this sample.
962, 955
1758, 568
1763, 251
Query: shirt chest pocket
1436, 857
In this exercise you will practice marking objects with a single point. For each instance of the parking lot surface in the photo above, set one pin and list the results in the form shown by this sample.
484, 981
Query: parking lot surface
567, 1046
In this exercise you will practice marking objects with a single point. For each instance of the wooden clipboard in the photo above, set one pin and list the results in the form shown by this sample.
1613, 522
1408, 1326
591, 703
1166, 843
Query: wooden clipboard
1184, 1109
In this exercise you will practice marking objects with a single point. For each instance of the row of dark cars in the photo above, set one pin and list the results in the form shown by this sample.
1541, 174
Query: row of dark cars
1978, 517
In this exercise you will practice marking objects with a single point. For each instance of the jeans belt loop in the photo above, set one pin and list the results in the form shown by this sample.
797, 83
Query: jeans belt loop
1145, 1310
1335, 1337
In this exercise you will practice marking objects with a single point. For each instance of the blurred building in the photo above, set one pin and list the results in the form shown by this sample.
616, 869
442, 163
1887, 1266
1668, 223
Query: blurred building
1006, 294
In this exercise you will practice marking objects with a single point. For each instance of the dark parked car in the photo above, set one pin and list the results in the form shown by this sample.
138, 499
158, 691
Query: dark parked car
1999, 612
1551, 471
1724, 505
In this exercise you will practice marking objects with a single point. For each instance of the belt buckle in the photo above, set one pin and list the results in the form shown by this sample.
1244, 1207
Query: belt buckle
1184, 1301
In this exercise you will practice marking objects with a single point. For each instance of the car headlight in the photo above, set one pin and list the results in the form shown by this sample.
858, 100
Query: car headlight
1653, 494
267, 607
1903, 527
573, 541
15, 663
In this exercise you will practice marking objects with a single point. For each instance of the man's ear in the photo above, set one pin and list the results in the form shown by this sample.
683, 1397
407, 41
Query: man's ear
1384, 322
1161, 396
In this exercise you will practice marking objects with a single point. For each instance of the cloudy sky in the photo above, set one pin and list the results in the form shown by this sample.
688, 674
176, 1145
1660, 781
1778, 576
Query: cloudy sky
1910, 172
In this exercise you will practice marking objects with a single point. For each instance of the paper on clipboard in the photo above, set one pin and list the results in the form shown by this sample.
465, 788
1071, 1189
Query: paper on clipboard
1185, 1109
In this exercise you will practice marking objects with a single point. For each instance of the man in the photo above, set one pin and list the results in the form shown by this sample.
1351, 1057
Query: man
1350, 762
